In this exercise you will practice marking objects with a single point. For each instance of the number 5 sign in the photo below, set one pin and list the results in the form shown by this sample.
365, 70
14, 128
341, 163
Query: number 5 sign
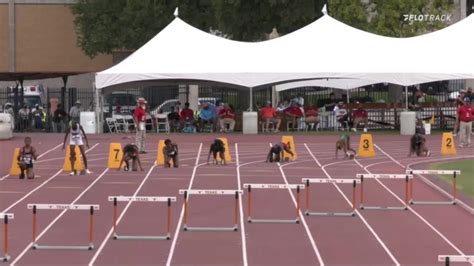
115, 155
448, 146
366, 146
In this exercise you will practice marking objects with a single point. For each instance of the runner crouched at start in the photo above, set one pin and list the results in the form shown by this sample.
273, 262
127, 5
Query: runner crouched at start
276, 152
344, 144
217, 148
77, 134
130, 152
418, 142
25, 159
170, 153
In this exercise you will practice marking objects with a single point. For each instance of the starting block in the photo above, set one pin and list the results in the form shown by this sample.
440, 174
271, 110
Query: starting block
227, 156
116, 199
447, 259
15, 168
408, 183
6, 217
72, 207
308, 181
287, 156
454, 173
115, 156
208, 192
249, 188
78, 164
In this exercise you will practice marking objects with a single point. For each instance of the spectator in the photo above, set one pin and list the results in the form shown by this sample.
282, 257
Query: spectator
269, 115
331, 102
24, 114
359, 115
118, 107
39, 117
58, 118
293, 114
174, 119
466, 115
311, 115
217, 109
341, 114
459, 103
419, 96
75, 113
226, 116
206, 115
139, 117
187, 119
469, 94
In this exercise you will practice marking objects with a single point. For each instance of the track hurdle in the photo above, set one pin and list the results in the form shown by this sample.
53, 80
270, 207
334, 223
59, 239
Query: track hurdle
249, 188
6, 217
209, 192
407, 179
308, 181
116, 199
454, 173
72, 207
447, 259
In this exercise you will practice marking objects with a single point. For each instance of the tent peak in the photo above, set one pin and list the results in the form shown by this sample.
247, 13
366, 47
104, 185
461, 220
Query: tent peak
176, 12
324, 10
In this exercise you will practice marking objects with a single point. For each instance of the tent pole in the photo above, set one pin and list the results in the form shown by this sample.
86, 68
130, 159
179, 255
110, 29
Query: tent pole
406, 98
348, 96
251, 100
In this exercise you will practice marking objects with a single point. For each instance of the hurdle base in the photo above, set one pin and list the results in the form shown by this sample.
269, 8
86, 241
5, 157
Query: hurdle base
416, 202
330, 214
129, 237
5, 258
47, 247
385, 208
273, 221
214, 229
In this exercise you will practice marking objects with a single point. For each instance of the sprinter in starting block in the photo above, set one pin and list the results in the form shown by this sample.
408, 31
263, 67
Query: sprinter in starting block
217, 148
418, 142
170, 153
276, 152
130, 152
77, 134
344, 144
25, 159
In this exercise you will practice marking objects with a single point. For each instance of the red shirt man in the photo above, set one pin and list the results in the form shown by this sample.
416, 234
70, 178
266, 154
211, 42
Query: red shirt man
267, 112
187, 114
466, 112
139, 114
359, 115
226, 116
466, 116
294, 111
226, 112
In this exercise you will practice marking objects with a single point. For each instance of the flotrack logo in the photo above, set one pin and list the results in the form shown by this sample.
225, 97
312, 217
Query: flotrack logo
427, 17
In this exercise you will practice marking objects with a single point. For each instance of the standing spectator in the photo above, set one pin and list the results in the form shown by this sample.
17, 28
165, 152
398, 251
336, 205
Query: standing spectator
59, 117
75, 113
226, 116
331, 102
311, 115
206, 116
293, 114
341, 114
419, 96
459, 103
24, 114
466, 115
118, 107
469, 94
139, 117
359, 115
173, 119
269, 115
38, 116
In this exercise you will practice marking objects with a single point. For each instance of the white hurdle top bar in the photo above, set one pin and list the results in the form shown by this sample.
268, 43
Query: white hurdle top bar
142, 198
389, 176
8, 215
331, 181
274, 186
209, 192
456, 258
434, 172
72, 207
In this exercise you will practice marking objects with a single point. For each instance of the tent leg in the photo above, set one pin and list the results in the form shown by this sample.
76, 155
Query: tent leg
251, 100
406, 98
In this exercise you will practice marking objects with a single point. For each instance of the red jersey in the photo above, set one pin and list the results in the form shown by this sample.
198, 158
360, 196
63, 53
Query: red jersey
139, 114
311, 111
187, 114
466, 113
294, 110
360, 113
226, 113
267, 112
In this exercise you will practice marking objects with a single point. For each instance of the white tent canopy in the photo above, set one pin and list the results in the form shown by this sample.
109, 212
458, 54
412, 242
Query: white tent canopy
343, 84
325, 48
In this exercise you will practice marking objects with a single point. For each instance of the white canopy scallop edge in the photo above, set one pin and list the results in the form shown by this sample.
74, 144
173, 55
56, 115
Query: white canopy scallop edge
325, 48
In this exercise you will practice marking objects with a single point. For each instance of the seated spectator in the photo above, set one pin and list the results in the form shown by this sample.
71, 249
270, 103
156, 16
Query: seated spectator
311, 115
359, 115
341, 114
226, 116
206, 115
269, 115
187, 117
174, 119
293, 113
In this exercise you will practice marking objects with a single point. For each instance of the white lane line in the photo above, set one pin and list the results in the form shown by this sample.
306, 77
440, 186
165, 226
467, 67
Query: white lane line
107, 237
387, 250
40, 186
39, 156
303, 220
181, 216
242, 224
409, 207
27, 248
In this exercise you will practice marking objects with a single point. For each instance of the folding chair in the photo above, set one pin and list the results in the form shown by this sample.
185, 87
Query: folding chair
120, 125
162, 123
111, 124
